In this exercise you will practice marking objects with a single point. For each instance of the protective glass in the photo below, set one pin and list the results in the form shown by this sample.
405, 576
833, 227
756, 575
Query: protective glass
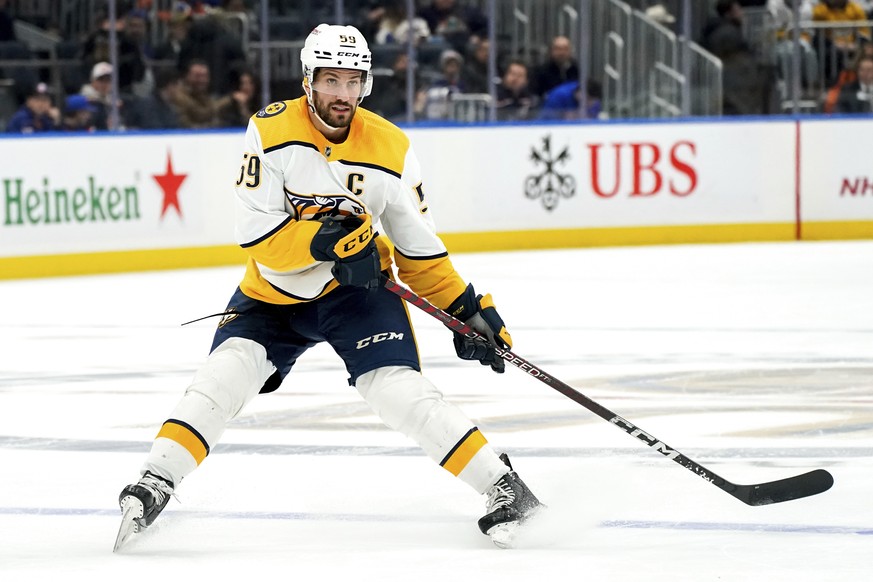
345, 86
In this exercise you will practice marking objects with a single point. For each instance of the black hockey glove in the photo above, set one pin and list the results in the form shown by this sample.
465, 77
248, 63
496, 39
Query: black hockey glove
350, 244
479, 313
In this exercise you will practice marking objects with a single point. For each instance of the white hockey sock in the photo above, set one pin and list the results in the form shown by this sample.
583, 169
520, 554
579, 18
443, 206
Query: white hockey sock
409, 403
232, 375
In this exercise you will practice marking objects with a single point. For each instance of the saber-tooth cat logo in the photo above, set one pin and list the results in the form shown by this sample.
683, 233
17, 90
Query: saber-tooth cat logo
549, 185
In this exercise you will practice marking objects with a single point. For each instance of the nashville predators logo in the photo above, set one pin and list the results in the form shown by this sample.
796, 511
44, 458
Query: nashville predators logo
229, 316
272, 109
316, 207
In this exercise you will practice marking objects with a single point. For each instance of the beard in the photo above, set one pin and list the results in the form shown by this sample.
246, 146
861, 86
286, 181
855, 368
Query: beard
331, 117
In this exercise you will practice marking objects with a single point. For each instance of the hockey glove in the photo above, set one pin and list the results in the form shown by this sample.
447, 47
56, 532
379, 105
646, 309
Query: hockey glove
479, 313
350, 244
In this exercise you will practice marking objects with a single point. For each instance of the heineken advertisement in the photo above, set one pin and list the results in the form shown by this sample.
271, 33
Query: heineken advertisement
46, 203
94, 194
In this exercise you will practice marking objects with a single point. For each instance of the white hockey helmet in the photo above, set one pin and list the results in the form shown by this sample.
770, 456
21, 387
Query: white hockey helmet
333, 46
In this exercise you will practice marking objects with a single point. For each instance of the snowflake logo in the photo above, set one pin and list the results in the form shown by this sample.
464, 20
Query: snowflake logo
549, 185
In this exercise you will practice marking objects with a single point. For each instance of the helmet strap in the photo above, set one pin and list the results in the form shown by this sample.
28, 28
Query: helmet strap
308, 90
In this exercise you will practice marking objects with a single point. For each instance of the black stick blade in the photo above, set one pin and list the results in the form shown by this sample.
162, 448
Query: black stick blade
796, 487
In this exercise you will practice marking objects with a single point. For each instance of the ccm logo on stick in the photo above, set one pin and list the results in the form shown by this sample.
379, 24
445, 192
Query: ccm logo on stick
632, 430
379, 337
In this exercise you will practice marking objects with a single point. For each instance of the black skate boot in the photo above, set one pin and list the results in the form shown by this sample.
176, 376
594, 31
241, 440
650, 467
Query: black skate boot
510, 503
140, 505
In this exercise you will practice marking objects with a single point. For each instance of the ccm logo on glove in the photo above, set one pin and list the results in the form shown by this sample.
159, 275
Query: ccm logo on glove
350, 243
353, 246
341, 238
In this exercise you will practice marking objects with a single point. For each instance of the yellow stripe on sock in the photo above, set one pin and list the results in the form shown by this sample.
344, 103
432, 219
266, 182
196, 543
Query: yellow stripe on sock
187, 437
466, 448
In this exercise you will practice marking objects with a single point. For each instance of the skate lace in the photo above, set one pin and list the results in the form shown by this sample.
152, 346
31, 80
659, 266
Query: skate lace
500, 495
159, 488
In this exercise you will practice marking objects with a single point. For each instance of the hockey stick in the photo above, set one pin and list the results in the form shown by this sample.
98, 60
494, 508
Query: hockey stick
797, 487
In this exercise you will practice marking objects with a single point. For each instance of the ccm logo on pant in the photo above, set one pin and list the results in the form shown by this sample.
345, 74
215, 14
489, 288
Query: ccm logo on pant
379, 337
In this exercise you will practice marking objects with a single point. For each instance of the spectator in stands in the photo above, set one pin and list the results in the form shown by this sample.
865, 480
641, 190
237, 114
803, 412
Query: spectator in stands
475, 74
436, 99
455, 23
7, 29
136, 30
745, 81
98, 91
515, 100
847, 76
210, 42
839, 44
158, 110
389, 93
559, 69
100, 85
659, 14
723, 35
842, 11
36, 115
131, 63
238, 9
563, 102
387, 22
857, 97
782, 12
78, 114
235, 109
194, 102
177, 33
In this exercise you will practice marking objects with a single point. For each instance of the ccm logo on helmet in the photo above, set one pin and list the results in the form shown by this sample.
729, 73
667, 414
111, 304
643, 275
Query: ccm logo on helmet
379, 337
348, 55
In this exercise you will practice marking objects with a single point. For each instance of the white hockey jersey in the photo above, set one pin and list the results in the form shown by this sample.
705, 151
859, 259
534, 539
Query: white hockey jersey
291, 177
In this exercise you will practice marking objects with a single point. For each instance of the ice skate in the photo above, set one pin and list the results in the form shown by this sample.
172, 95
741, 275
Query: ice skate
510, 503
140, 505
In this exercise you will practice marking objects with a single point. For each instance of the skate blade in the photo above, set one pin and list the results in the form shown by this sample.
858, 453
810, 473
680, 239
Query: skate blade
131, 511
507, 535
504, 534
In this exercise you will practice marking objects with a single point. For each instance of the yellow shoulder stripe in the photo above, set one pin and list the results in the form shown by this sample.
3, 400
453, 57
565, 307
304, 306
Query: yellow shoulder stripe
283, 122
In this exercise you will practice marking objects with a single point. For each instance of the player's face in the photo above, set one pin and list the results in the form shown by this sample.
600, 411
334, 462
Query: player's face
335, 95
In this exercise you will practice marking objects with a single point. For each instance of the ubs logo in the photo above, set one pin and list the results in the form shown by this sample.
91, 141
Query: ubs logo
550, 185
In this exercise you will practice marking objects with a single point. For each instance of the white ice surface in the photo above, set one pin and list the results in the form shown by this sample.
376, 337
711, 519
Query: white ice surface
752, 359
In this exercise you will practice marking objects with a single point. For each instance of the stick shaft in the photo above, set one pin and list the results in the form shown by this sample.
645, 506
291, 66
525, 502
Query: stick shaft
796, 487
546, 378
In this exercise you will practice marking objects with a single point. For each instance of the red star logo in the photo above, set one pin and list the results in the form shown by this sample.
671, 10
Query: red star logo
170, 183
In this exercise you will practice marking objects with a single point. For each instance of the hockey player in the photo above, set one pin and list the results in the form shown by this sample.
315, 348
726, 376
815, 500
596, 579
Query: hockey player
324, 193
